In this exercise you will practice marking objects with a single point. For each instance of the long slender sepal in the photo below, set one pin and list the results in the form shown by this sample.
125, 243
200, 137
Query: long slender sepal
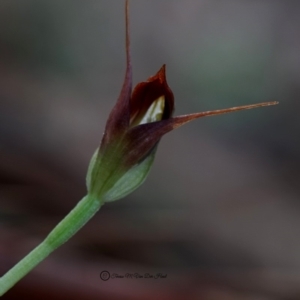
143, 137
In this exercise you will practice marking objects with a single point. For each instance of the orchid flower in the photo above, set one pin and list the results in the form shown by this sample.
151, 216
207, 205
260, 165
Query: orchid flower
135, 125
122, 162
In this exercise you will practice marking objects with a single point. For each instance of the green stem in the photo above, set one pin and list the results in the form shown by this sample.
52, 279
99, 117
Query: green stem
82, 212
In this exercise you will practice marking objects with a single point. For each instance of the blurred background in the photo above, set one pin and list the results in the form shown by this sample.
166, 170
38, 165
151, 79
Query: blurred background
220, 210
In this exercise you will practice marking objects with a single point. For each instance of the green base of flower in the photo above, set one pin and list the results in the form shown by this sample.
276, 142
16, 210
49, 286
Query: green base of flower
77, 218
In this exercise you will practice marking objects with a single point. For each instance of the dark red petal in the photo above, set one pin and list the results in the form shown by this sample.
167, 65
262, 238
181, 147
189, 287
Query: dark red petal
118, 120
141, 139
145, 93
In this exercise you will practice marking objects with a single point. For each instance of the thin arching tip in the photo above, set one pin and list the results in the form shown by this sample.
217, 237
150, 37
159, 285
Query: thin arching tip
128, 58
274, 102
127, 6
268, 103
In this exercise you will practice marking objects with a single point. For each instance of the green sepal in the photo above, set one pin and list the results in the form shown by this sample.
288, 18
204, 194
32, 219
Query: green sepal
90, 169
131, 180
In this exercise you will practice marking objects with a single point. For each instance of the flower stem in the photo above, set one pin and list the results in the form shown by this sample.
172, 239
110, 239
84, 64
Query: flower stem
82, 212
